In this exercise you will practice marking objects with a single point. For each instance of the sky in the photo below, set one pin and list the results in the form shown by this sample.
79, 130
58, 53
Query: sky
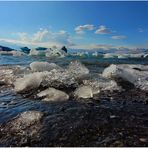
77, 25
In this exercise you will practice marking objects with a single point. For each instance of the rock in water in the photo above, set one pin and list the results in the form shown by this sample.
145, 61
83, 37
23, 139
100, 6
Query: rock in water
43, 66
137, 75
84, 92
52, 94
77, 69
28, 82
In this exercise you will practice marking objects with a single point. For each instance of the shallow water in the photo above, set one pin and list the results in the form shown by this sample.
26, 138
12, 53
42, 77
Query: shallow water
11, 104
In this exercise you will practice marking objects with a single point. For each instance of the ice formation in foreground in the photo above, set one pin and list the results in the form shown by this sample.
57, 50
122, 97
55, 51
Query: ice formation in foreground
135, 74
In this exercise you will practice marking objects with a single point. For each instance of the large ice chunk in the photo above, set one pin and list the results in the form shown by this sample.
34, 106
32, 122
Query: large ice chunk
28, 82
59, 79
43, 66
52, 94
135, 74
101, 84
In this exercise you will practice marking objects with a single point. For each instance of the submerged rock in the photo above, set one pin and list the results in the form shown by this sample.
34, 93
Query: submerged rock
77, 69
43, 66
52, 94
137, 75
84, 92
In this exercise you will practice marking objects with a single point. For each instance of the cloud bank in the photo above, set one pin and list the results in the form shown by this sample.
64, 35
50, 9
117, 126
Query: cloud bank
103, 30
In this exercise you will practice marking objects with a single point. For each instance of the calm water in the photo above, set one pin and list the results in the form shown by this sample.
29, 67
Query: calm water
11, 104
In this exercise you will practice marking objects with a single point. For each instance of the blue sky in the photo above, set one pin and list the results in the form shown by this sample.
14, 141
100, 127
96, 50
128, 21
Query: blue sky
89, 25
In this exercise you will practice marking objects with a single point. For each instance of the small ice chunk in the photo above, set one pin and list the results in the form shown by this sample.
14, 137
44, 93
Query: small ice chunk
43, 66
84, 92
101, 84
30, 116
52, 94
77, 69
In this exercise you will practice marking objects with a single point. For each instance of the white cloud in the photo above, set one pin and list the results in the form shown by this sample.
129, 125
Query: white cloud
80, 29
118, 37
103, 30
40, 35
93, 46
23, 36
41, 38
